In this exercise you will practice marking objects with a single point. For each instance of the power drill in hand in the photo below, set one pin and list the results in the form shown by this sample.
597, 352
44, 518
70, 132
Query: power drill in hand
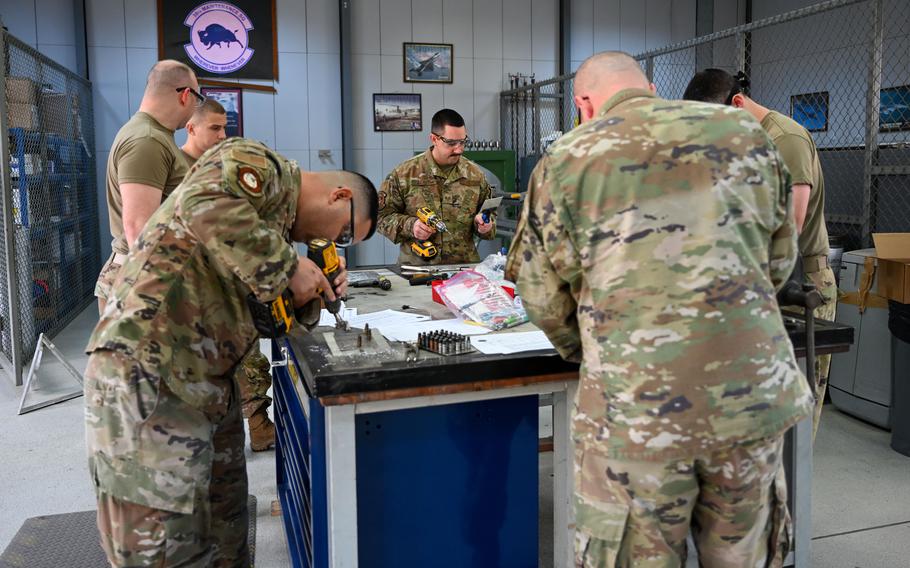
276, 318
430, 219
324, 255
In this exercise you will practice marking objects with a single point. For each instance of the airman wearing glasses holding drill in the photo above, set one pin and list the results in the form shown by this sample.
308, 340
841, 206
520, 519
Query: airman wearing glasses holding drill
446, 183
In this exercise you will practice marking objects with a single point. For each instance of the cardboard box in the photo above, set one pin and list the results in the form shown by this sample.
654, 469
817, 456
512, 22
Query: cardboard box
893, 253
22, 115
57, 113
21, 90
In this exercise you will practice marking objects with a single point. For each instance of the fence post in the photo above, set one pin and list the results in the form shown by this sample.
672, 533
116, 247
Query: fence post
649, 69
739, 52
873, 106
535, 123
14, 329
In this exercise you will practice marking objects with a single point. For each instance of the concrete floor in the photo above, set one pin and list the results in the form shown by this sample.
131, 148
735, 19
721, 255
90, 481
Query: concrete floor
861, 491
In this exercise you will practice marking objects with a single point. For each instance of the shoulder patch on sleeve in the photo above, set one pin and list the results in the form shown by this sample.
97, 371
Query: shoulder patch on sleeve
249, 180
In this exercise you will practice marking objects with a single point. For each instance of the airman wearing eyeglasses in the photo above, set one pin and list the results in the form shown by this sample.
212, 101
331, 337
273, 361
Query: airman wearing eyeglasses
145, 164
447, 183
163, 419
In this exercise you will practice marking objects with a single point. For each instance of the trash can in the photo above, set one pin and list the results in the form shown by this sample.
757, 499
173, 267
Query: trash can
899, 325
835, 254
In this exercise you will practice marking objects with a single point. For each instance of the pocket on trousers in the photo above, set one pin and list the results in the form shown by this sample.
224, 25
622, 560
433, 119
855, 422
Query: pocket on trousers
599, 529
781, 536
135, 483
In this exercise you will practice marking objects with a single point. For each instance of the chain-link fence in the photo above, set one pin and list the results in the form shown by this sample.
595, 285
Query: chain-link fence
841, 68
49, 257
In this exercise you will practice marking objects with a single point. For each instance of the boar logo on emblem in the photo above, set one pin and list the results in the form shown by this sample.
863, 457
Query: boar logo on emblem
219, 37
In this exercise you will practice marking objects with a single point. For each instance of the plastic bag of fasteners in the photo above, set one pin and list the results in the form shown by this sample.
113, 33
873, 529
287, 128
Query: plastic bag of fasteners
474, 297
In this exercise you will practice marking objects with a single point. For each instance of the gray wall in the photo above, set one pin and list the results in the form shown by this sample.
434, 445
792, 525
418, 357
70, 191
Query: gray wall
53, 34
632, 26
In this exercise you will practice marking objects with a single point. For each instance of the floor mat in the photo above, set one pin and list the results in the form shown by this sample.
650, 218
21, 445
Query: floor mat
71, 539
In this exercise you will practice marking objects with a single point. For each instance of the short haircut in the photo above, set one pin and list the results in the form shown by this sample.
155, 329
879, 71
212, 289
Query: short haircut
167, 75
365, 195
209, 106
715, 86
446, 117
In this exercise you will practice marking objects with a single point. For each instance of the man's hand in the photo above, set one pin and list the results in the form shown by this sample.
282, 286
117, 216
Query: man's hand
482, 228
422, 231
341, 281
308, 283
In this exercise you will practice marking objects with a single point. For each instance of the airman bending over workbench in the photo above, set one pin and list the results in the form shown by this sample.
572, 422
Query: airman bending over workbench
163, 425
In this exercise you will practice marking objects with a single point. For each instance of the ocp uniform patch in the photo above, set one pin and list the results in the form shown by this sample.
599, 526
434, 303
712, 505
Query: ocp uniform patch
249, 180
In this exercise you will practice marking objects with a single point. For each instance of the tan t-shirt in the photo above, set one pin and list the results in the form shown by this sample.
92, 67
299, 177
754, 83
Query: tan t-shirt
801, 157
189, 159
143, 152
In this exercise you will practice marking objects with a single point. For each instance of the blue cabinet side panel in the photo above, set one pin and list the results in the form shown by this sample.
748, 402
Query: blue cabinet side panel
452, 485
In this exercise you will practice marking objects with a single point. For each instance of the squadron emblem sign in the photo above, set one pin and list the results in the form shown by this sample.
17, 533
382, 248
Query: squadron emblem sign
219, 37
233, 39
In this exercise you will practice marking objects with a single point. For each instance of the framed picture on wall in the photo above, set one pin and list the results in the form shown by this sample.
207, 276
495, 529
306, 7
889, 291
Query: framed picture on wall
428, 62
810, 110
232, 101
397, 112
894, 113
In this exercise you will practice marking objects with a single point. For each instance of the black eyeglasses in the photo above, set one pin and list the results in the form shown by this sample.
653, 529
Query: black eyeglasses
452, 143
199, 98
346, 237
740, 85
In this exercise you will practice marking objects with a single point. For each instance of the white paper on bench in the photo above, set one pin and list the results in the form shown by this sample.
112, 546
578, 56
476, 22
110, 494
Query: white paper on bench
409, 332
506, 343
386, 318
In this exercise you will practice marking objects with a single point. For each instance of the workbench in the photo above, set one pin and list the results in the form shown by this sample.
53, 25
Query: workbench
392, 463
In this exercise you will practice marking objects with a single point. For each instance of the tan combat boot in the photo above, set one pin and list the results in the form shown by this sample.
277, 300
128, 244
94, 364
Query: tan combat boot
262, 431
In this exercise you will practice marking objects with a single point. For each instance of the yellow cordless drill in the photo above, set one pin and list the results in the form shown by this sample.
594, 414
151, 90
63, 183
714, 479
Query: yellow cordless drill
430, 219
276, 318
426, 249
324, 254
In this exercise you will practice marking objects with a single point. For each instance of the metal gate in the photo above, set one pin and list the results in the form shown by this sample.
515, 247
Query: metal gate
50, 250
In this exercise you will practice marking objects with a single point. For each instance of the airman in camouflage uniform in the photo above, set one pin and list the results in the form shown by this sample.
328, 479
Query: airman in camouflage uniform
447, 183
800, 155
254, 378
163, 425
651, 244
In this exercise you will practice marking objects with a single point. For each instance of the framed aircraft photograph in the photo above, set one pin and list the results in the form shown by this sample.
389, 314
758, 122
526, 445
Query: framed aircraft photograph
428, 62
397, 112
894, 109
810, 110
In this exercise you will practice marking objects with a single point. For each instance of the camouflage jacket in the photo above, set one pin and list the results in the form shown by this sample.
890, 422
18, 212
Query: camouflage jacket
419, 182
651, 245
178, 305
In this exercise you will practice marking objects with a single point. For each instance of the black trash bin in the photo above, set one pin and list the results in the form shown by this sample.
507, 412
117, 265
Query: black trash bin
899, 325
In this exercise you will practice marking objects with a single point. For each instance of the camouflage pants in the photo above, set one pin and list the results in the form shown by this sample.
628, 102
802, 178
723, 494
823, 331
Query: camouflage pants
824, 281
171, 481
106, 277
254, 378
638, 513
